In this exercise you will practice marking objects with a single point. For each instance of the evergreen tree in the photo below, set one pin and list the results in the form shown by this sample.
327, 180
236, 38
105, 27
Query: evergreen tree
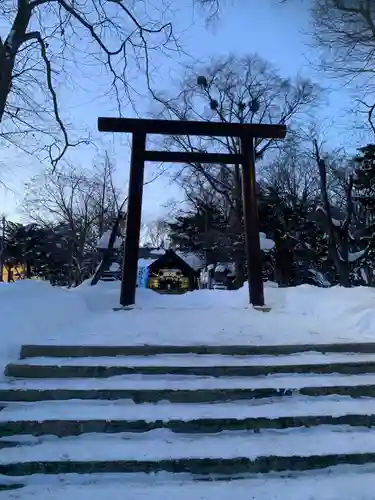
300, 250
364, 183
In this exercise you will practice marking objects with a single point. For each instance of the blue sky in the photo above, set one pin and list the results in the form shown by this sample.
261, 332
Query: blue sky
275, 31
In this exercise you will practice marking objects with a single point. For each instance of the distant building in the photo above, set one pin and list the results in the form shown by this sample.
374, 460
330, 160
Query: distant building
165, 271
169, 273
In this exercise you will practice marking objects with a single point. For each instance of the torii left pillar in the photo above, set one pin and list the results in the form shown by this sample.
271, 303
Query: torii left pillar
133, 220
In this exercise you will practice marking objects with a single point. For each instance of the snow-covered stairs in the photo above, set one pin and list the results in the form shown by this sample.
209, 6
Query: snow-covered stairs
211, 411
74, 365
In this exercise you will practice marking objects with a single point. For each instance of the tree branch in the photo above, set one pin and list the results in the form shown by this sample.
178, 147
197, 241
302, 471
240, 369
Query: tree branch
35, 35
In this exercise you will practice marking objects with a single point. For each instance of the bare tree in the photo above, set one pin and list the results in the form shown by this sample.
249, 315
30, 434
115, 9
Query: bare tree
84, 202
291, 172
49, 39
348, 243
232, 89
108, 199
107, 256
345, 30
155, 233
115, 228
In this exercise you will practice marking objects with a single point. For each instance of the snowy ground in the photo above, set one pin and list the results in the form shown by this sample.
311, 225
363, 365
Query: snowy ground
35, 312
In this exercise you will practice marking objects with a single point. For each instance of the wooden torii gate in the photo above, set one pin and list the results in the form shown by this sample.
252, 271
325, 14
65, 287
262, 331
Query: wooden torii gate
246, 133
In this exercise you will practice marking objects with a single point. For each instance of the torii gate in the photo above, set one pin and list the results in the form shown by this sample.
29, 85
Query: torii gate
246, 132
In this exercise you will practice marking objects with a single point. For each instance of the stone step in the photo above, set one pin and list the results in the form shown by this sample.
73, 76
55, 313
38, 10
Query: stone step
35, 371
64, 428
203, 360
191, 389
79, 417
337, 483
191, 364
224, 453
197, 466
179, 396
267, 433
80, 351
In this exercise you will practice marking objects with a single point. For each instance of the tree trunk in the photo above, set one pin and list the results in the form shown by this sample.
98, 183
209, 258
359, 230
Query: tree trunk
106, 260
240, 271
9, 50
344, 275
342, 264
338, 237
239, 258
28, 273
282, 261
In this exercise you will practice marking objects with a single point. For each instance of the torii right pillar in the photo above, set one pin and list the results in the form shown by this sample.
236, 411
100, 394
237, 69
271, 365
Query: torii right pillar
251, 220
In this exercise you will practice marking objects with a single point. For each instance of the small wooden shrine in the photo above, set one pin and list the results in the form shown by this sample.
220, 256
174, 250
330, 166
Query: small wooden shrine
171, 274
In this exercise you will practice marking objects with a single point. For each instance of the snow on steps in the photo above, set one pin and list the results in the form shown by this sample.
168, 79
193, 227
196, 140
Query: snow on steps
191, 389
341, 484
234, 437
189, 364
79, 417
226, 453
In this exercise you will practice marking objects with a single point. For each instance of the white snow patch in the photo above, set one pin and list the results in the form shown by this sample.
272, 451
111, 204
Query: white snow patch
336, 222
308, 358
33, 309
192, 259
191, 382
265, 243
339, 483
272, 408
145, 262
353, 257
163, 444
220, 268
157, 251
115, 266
104, 241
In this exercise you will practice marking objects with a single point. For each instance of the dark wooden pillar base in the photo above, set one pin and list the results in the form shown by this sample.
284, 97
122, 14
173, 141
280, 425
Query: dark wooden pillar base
251, 219
133, 220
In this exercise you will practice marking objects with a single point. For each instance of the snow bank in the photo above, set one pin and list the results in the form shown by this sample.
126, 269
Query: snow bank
31, 311
104, 241
35, 312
